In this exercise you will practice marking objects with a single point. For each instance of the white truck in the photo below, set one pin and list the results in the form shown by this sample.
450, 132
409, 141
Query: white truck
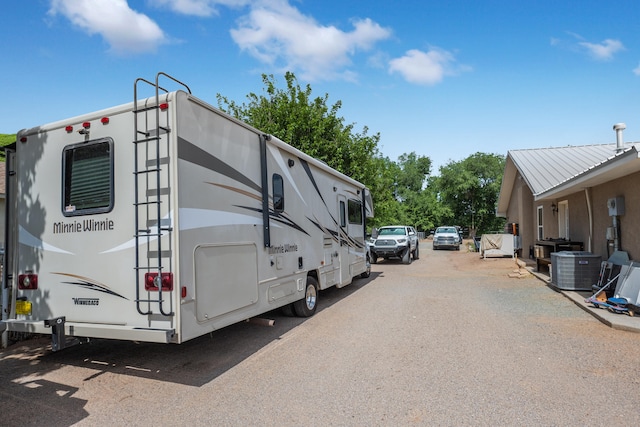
164, 219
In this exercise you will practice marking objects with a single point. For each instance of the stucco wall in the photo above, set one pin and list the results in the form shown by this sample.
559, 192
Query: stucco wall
523, 210
629, 223
520, 212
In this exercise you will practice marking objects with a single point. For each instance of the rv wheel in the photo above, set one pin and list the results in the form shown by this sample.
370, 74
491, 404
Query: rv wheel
367, 272
287, 310
307, 307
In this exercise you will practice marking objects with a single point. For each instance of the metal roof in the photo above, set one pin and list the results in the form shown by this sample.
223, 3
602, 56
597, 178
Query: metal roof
545, 168
557, 171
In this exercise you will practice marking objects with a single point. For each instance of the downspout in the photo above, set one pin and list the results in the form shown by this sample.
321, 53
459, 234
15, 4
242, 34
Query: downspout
587, 194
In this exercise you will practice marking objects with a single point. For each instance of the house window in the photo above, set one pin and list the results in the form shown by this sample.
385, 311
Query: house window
355, 211
87, 178
540, 224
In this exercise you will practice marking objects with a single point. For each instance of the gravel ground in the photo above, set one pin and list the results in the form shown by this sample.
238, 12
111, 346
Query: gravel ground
447, 340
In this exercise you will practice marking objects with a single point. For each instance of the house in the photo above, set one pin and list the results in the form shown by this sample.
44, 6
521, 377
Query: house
587, 195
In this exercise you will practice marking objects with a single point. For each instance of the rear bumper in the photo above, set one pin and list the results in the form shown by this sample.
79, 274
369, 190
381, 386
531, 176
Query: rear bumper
89, 330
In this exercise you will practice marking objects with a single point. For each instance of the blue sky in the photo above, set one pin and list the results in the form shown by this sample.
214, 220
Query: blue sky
443, 79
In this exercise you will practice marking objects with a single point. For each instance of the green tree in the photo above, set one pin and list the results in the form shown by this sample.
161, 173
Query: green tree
411, 175
5, 139
470, 189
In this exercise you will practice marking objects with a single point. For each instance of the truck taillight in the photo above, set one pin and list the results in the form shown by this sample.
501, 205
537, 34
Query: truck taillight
28, 281
151, 281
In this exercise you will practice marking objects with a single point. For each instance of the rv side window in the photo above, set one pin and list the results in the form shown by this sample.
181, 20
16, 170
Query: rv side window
355, 212
278, 193
87, 177
343, 222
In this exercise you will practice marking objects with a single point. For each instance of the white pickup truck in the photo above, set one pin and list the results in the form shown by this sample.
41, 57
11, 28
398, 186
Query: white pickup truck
395, 241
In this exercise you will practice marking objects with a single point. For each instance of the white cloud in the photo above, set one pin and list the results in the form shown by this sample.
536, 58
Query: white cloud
603, 51
124, 29
197, 7
277, 34
425, 68
636, 70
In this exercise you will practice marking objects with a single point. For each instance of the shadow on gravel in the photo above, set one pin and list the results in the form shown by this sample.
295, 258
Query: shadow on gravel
194, 363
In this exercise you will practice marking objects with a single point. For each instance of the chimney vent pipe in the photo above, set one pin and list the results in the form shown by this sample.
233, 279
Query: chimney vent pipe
619, 127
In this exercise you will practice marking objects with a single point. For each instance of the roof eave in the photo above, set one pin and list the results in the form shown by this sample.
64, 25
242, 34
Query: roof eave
616, 167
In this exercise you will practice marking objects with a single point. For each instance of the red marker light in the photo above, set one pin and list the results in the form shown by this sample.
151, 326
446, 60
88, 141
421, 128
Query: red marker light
69, 129
104, 120
164, 106
28, 281
86, 125
23, 139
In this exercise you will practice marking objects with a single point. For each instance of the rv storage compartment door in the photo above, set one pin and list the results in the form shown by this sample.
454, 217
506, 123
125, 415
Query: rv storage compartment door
226, 278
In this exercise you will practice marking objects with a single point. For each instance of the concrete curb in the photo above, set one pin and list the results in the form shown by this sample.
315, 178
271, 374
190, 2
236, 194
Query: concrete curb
621, 322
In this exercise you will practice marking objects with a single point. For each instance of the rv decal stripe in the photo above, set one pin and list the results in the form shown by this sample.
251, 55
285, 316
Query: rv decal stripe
306, 168
196, 155
85, 282
278, 218
28, 239
237, 190
334, 234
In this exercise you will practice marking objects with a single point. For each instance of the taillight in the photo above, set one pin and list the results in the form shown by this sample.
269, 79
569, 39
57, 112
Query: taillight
151, 281
28, 281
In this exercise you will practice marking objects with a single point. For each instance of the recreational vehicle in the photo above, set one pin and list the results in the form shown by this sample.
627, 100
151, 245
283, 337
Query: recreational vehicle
164, 219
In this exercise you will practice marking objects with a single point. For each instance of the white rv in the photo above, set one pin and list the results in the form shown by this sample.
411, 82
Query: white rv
164, 219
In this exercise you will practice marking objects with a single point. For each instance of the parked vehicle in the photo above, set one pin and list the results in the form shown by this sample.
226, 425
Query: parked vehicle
164, 219
446, 237
395, 241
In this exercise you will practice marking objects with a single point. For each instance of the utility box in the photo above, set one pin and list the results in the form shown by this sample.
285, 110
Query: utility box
616, 206
575, 270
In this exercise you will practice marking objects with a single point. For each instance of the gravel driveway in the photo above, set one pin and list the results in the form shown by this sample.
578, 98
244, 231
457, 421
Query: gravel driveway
447, 340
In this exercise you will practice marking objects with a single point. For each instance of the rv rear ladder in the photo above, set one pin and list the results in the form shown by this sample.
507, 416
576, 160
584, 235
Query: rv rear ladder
152, 204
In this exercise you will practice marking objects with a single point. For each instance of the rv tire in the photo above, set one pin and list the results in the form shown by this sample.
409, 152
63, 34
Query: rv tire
306, 307
287, 310
367, 272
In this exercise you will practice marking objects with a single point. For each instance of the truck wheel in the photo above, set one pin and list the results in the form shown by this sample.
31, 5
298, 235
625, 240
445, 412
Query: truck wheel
406, 258
374, 259
416, 253
306, 307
